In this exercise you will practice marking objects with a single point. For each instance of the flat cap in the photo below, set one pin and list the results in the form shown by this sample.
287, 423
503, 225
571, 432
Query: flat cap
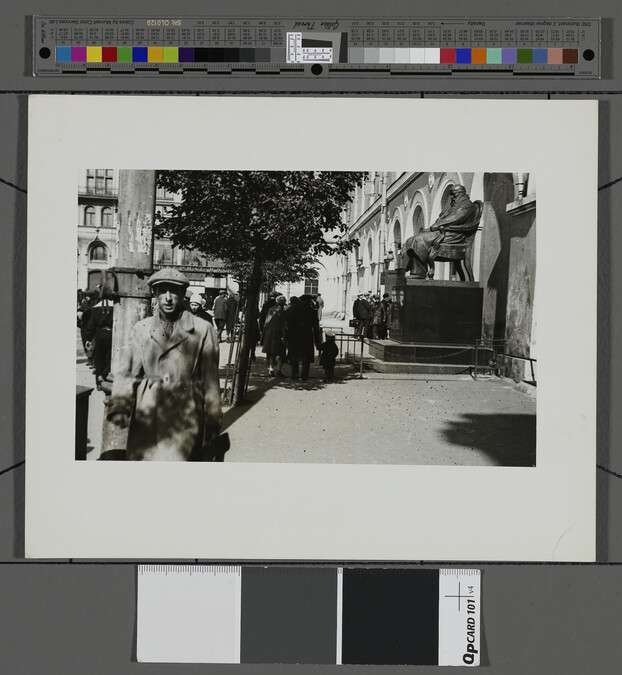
168, 275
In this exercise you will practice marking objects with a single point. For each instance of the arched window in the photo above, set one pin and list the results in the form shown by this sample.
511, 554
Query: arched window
107, 217
89, 216
98, 252
418, 219
370, 251
397, 236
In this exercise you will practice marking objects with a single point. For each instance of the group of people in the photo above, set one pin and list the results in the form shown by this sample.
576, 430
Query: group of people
372, 315
222, 311
290, 333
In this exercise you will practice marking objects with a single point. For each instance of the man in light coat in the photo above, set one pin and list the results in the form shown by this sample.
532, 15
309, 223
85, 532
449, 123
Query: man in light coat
167, 388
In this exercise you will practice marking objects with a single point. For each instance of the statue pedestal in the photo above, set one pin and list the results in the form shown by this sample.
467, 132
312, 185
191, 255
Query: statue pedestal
440, 312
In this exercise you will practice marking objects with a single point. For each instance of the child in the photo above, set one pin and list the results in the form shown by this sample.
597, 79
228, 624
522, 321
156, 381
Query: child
329, 351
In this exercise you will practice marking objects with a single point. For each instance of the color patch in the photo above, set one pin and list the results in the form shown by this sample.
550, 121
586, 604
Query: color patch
247, 55
186, 55
262, 55
556, 56
155, 55
448, 55
94, 54
478, 55
390, 617
494, 55
356, 55
232, 55
432, 55
279, 55
140, 54
63, 54
170, 55
417, 55
463, 55
124, 54
109, 54
386, 55
524, 56
402, 55
372, 55
509, 55
78, 54
539, 55
571, 56
289, 615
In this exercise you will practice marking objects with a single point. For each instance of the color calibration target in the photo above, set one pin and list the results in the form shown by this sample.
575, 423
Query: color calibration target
332, 47
317, 615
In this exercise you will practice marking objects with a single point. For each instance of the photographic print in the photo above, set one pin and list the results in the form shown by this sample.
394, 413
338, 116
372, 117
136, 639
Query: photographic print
369, 317
282, 339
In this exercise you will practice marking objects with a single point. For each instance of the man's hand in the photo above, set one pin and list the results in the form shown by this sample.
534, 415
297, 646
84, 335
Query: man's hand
120, 419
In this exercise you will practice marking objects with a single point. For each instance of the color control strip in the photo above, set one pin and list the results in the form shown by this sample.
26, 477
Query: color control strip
101, 46
430, 55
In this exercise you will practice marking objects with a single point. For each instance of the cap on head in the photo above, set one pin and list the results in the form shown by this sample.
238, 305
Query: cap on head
222, 292
329, 335
457, 189
168, 275
274, 294
195, 297
281, 299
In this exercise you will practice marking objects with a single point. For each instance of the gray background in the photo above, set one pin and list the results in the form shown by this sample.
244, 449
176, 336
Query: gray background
79, 617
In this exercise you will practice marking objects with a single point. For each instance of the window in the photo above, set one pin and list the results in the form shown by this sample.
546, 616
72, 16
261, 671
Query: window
107, 217
311, 286
98, 252
89, 216
109, 178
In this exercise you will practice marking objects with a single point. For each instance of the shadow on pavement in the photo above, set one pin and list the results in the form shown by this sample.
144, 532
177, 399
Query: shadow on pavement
509, 439
260, 382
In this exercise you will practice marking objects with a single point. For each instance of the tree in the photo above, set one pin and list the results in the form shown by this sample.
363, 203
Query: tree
259, 222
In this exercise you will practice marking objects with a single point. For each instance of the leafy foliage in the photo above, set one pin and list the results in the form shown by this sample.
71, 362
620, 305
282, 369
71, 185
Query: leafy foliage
281, 219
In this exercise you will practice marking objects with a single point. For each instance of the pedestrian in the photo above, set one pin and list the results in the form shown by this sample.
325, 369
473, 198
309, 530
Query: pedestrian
221, 307
99, 333
302, 334
166, 388
386, 316
273, 337
196, 307
361, 310
85, 309
267, 305
328, 356
377, 318
319, 301
232, 315
209, 303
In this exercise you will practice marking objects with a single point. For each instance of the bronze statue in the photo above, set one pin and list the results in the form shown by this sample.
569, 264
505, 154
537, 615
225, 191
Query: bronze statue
453, 226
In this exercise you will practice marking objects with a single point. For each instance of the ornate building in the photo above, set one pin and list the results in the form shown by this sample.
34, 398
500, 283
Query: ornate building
391, 207
98, 240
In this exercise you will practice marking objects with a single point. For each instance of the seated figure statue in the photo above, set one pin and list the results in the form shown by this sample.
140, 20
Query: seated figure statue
452, 226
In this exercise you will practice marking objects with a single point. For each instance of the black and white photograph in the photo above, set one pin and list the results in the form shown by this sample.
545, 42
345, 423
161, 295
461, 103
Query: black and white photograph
274, 337
371, 317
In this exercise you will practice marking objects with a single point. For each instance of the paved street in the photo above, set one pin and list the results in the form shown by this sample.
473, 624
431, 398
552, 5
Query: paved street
380, 419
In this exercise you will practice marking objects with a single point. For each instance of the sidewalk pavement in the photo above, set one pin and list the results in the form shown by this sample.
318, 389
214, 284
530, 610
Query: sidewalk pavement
383, 419
380, 419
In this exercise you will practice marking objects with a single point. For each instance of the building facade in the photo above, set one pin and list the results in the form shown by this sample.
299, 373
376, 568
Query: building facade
391, 207
98, 237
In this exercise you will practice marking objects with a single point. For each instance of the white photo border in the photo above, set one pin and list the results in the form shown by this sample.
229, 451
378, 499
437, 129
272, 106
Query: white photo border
279, 512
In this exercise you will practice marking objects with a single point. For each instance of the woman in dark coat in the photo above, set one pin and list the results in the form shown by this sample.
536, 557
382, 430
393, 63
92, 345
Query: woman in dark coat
100, 329
272, 338
302, 335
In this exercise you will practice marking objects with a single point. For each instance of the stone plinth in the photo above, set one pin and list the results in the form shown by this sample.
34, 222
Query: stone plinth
439, 312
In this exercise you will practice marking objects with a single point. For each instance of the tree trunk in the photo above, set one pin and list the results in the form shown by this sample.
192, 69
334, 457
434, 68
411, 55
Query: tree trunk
249, 333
